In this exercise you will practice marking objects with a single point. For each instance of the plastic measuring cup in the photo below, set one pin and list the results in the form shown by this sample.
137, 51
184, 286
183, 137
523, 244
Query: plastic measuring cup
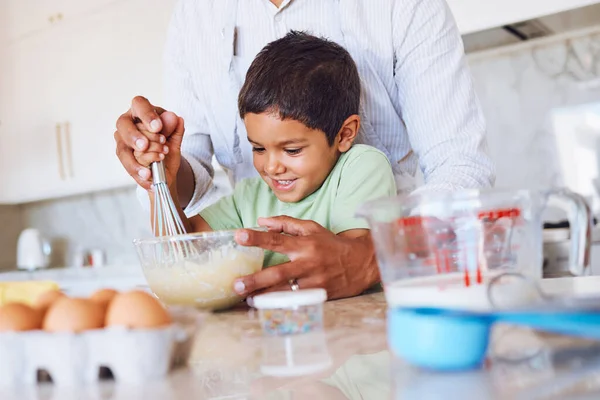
439, 250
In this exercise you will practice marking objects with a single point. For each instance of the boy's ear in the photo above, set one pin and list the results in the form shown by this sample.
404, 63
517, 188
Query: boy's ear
347, 133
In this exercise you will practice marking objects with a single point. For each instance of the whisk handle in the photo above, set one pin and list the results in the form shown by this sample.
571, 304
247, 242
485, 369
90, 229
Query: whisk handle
159, 174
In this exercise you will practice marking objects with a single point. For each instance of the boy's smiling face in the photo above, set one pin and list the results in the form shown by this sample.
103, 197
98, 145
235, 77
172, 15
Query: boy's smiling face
293, 159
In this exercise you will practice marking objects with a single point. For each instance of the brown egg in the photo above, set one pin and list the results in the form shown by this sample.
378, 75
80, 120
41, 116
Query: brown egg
73, 315
103, 296
136, 309
46, 299
19, 317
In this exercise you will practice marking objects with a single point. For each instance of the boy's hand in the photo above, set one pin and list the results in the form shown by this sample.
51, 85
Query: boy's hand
318, 259
167, 149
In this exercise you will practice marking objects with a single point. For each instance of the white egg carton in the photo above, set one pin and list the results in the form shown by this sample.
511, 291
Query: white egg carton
132, 355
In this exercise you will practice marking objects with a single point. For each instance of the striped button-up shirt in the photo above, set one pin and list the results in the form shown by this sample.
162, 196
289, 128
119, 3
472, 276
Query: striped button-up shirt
418, 103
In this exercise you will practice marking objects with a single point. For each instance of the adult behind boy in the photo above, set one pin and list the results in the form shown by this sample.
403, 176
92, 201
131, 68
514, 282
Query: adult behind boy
300, 105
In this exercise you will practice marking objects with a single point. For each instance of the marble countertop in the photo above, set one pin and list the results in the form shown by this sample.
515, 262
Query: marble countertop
231, 359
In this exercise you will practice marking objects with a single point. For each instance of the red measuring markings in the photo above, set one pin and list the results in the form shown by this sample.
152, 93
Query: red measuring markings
478, 276
426, 235
500, 213
443, 261
414, 221
490, 215
447, 259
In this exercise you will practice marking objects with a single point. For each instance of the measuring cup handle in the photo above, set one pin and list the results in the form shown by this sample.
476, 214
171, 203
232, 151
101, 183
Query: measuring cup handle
580, 224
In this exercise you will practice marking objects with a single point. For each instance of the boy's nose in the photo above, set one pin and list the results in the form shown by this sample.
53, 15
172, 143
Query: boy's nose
274, 167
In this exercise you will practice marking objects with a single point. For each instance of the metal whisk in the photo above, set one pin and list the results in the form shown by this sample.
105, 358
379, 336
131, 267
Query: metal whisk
166, 220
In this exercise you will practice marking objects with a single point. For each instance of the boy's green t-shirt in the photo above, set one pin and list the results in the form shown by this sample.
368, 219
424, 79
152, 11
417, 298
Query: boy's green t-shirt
361, 174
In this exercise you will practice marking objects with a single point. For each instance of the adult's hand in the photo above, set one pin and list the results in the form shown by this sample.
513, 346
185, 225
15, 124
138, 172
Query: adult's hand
144, 127
343, 266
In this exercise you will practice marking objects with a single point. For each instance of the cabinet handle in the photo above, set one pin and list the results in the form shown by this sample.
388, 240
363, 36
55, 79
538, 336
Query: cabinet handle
61, 169
56, 17
69, 153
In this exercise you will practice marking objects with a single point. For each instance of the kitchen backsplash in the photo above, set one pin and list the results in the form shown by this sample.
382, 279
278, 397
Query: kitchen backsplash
519, 88
10, 226
107, 220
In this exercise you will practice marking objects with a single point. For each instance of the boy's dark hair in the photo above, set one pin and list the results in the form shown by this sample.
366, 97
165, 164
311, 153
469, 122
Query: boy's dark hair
304, 78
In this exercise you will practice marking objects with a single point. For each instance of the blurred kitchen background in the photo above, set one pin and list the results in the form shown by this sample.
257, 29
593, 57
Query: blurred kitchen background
68, 68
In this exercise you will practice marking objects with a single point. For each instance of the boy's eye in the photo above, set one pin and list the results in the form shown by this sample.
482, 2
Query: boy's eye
293, 151
258, 149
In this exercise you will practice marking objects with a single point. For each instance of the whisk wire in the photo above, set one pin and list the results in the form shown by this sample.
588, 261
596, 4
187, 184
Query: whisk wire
166, 218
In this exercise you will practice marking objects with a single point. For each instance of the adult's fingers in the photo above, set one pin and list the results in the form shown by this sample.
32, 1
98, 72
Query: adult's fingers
267, 240
156, 148
290, 225
170, 123
152, 137
275, 276
146, 158
129, 134
176, 138
170, 120
138, 172
148, 114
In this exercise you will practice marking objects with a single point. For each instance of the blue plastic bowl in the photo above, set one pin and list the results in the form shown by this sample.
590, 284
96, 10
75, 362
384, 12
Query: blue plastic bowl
430, 339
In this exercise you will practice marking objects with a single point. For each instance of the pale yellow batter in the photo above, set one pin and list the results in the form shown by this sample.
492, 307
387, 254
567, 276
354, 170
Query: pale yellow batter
207, 285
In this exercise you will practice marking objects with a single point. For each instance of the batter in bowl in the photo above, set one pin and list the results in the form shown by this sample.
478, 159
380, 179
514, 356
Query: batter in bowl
204, 284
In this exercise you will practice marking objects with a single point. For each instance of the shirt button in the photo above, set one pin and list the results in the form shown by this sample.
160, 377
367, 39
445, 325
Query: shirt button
278, 18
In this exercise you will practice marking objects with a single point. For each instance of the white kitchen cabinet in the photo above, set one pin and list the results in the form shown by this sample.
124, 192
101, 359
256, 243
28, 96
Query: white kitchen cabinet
477, 15
109, 68
79, 77
38, 148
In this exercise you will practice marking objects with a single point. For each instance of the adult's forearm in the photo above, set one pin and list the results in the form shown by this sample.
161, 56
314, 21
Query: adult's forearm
374, 276
186, 183
365, 271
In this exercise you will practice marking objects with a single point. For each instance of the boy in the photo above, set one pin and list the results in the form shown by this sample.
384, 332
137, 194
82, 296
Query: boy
300, 104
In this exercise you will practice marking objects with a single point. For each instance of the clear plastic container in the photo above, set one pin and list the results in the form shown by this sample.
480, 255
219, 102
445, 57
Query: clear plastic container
442, 249
289, 313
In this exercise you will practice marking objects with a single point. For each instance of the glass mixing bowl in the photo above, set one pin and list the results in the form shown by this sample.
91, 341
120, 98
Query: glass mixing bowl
197, 269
